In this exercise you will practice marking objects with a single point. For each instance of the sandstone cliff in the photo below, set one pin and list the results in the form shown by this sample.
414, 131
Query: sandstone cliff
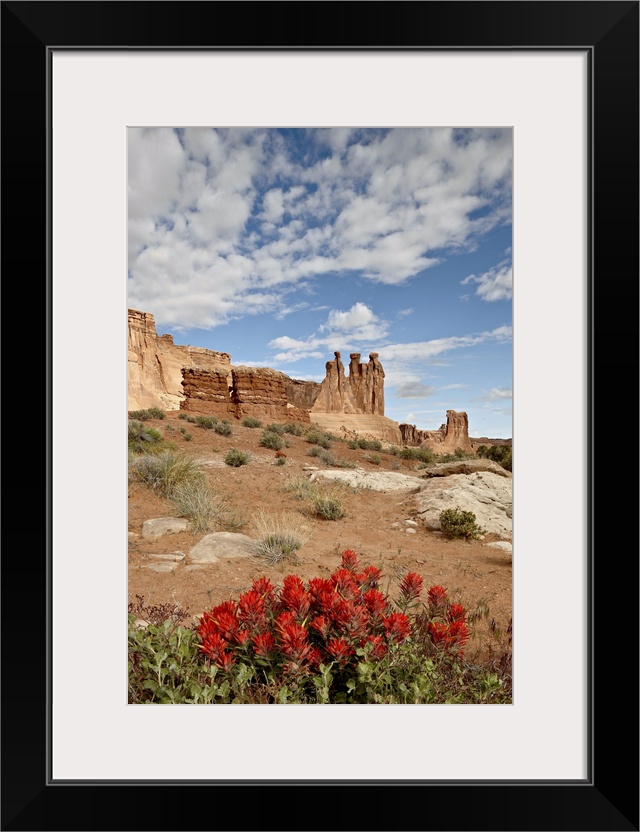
155, 364
245, 391
454, 434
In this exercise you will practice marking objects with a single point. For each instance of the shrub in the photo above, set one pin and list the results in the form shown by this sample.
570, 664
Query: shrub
275, 428
251, 422
187, 437
206, 422
142, 439
166, 471
271, 440
369, 444
374, 459
281, 460
328, 506
320, 439
183, 415
236, 458
195, 499
280, 535
300, 488
455, 522
149, 413
293, 428
223, 428
346, 463
502, 454
314, 451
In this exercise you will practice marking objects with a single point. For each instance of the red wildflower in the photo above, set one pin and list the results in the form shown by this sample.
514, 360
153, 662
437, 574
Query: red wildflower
375, 601
263, 587
293, 639
357, 623
294, 597
457, 612
368, 578
251, 609
241, 638
349, 560
322, 624
438, 632
263, 644
345, 583
397, 626
280, 454
213, 645
378, 648
225, 661
319, 585
458, 634
227, 624
410, 588
437, 596
339, 649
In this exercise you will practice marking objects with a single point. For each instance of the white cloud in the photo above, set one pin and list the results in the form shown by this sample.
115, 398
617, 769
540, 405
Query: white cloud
496, 284
415, 391
423, 350
497, 394
223, 215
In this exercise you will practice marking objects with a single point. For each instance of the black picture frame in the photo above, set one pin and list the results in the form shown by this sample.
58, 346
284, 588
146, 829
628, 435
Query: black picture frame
608, 798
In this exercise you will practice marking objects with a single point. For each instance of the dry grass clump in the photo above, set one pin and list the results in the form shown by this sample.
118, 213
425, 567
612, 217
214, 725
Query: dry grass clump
280, 535
165, 472
196, 500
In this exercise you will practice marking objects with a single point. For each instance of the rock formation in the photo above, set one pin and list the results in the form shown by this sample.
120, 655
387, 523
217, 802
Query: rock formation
155, 364
454, 434
245, 391
362, 391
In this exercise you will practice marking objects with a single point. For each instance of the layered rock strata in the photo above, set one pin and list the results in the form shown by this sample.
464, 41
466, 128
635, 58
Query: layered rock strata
155, 364
450, 436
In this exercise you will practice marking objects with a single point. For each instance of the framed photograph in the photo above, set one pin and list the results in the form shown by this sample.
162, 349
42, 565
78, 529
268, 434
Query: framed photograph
561, 79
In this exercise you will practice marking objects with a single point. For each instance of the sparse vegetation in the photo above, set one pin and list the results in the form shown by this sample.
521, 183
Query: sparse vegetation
206, 422
195, 499
280, 535
223, 428
164, 472
251, 422
280, 460
149, 413
143, 439
275, 428
293, 428
454, 522
502, 454
272, 440
236, 458
374, 459
327, 503
320, 439
365, 444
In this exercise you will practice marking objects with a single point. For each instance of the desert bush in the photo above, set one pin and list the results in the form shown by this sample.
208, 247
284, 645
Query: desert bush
187, 437
236, 458
149, 413
454, 522
271, 440
325, 641
251, 422
300, 488
320, 439
143, 439
197, 501
314, 451
275, 428
280, 535
164, 472
502, 454
374, 459
327, 503
223, 428
183, 415
280, 460
293, 428
206, 422
368, 444
345, 463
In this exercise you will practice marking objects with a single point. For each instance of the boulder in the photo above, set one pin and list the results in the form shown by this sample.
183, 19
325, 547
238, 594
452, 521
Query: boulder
464, 466
220, 545
375, 480
164, 525
487, 495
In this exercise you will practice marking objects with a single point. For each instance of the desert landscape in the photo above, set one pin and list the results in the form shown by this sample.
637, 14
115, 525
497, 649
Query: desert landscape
269, 450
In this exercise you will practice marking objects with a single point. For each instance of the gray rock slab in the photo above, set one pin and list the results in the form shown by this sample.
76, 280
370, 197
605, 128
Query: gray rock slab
176, 556
411, 531
164, 525
486, 494
411, 523
220, 545
375, 480
464, 466
505, 545
161, 567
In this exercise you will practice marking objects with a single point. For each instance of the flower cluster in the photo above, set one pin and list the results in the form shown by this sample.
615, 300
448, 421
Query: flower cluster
332, 620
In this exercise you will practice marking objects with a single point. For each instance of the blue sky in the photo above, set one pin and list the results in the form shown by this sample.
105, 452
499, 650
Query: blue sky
282, 246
